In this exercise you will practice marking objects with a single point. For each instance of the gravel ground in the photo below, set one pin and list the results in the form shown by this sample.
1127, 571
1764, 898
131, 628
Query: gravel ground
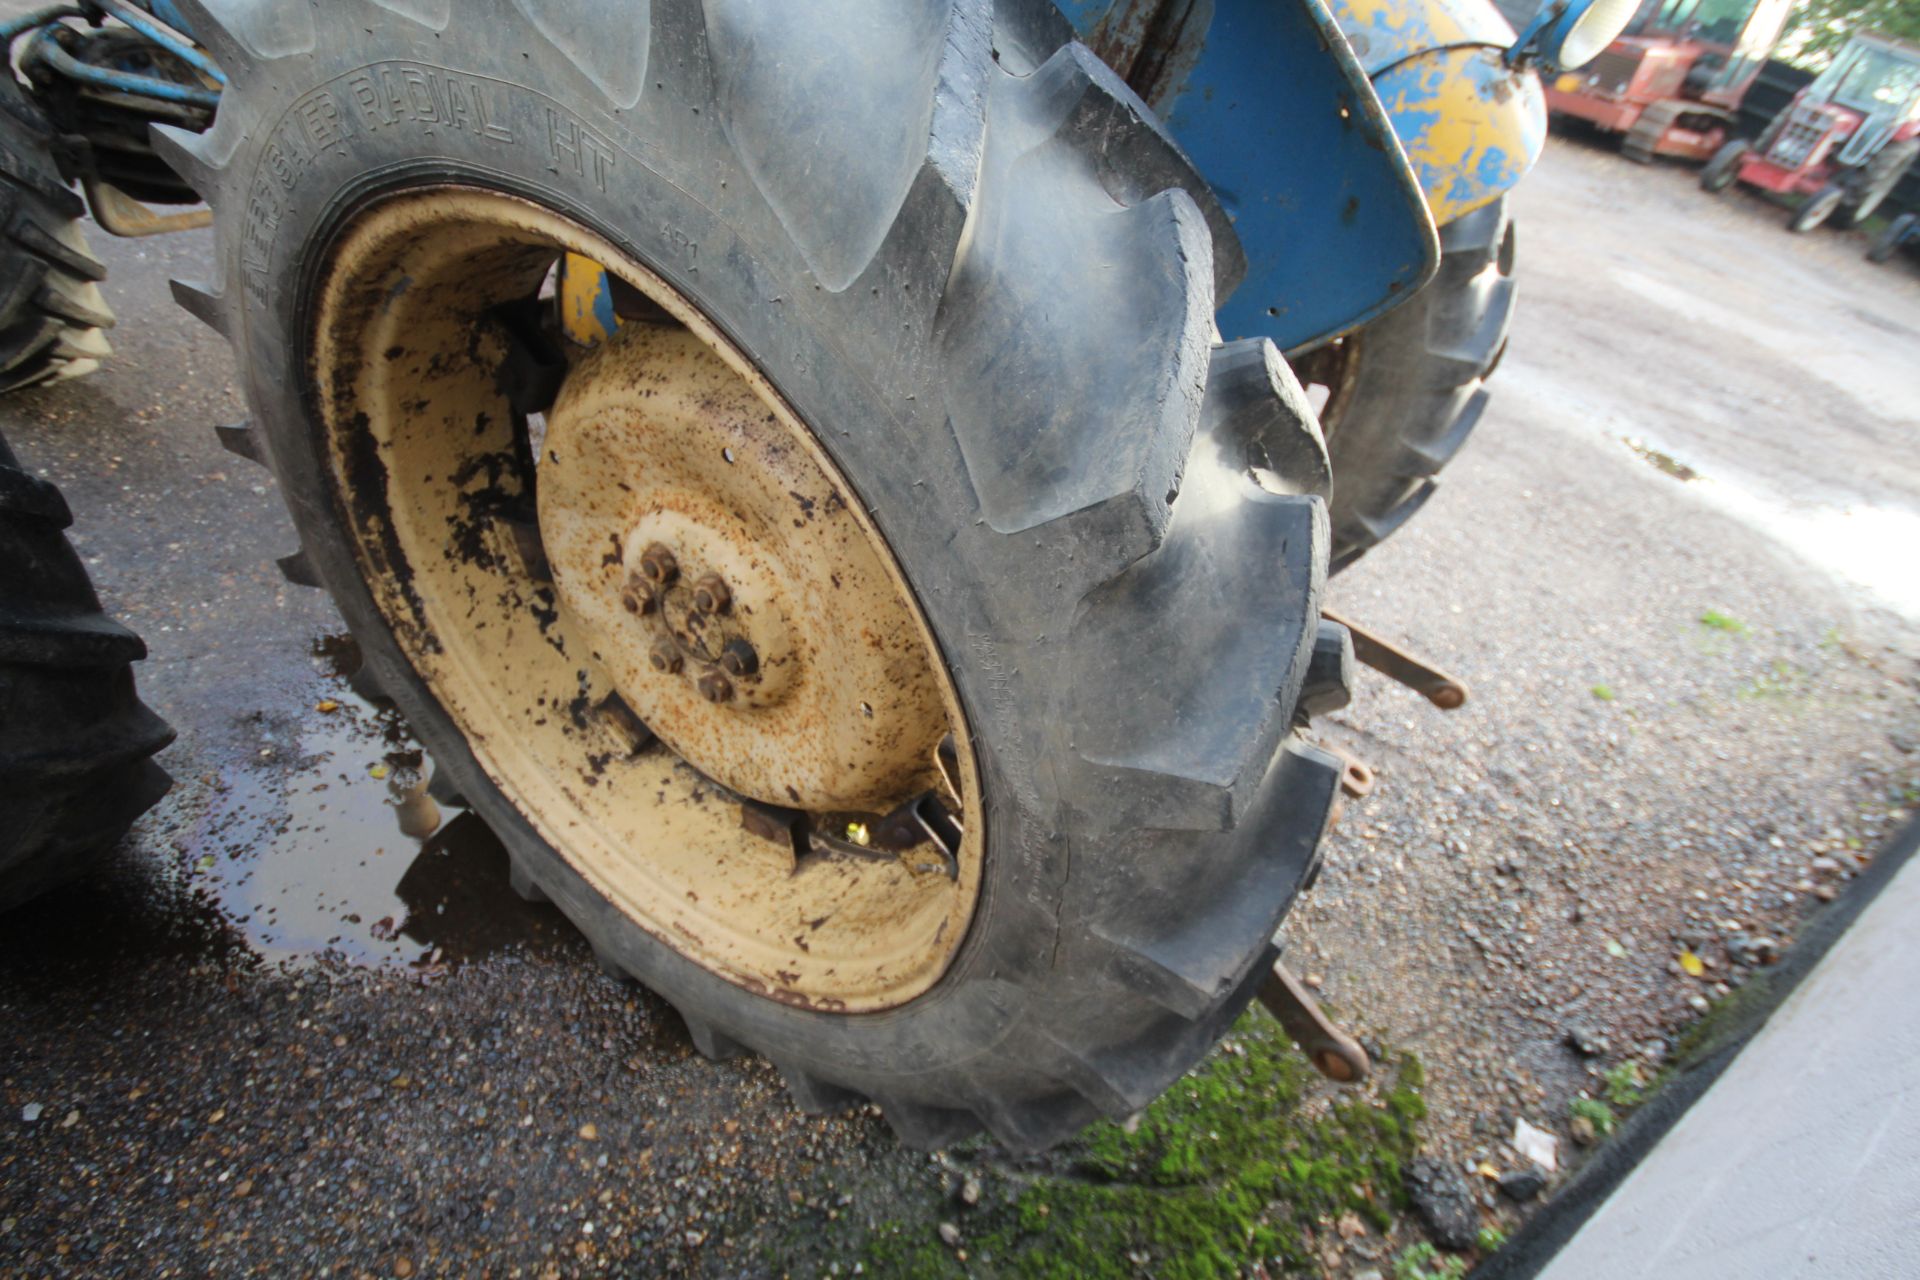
278, 1035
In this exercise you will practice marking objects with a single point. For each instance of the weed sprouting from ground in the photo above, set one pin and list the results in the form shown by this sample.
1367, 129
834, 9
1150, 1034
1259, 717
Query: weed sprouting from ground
1229, 1168
1596, 1113
1625, 1085
1714, 620
1424, 1262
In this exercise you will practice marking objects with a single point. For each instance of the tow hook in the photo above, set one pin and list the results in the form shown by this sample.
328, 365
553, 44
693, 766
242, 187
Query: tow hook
1333, 1053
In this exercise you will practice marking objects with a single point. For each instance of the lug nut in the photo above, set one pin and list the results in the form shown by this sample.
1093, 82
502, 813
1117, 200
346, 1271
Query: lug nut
710, 594
715, 687
665, 657
658, 565
738, 658
638, 597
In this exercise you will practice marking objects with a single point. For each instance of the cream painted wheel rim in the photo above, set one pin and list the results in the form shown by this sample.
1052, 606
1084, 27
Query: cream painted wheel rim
661, 618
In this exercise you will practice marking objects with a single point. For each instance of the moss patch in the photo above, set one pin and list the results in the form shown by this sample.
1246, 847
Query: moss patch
1239, 1162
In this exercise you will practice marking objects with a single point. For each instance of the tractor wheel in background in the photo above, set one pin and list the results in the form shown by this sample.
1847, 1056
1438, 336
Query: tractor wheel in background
1893, 237
1818, 207
781, 645
1404, 392
76, 742
1881, 175
52, 314
1724, 166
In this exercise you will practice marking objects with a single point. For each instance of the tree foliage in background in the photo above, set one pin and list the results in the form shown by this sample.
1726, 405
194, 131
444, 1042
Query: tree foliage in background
1820, 27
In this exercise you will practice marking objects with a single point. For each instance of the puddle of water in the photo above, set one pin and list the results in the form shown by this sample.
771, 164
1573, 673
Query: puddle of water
326, 844
1663, 461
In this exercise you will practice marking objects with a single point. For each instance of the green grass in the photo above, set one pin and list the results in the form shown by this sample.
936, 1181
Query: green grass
1625, 1086
1604, 692
1222, 1171
1490, 1240
1783, 680
1424, 1262
1596, 1113
1714, 620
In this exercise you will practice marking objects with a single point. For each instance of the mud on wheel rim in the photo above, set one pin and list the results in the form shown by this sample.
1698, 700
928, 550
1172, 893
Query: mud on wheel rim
759, 765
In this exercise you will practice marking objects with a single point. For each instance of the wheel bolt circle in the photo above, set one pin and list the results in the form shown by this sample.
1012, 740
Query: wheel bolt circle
711, 594
658, 565
665, 657
716, 688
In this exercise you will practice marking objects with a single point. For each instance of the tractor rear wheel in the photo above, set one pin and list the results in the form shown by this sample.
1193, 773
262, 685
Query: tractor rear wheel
825, 643
52, 314
1404, 393
76, 742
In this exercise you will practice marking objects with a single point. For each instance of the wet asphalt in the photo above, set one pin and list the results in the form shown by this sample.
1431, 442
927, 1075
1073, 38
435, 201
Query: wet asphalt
278, 1034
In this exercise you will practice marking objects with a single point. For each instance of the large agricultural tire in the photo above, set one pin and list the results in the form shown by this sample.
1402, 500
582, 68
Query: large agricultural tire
1404, 392
76, 742
1879, 177
1895, 235
1817, 208
52, 314
980, 294
1724, 167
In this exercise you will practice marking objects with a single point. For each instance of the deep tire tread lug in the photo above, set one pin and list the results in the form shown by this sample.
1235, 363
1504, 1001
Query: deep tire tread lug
816, 1095
714, 1044
524, 885
203, 303
242, 441
928, 1128
298, 570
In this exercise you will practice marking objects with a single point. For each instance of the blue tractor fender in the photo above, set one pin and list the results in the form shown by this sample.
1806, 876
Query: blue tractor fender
1470, 122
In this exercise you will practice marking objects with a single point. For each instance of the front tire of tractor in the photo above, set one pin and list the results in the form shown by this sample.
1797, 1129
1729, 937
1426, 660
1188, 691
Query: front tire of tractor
1881, 176
76, 742
1818, 207
1405, 392
983, 341
1724, 166
53, 317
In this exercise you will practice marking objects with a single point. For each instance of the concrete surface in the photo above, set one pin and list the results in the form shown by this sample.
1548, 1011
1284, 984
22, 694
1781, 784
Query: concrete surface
1803, 1159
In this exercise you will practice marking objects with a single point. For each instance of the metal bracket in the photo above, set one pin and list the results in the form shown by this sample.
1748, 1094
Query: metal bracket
122, 215
1356, 775
1402, 667
1333, 1053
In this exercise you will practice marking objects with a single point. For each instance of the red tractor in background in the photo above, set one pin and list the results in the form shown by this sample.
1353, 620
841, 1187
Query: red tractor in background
1845, 140
1672, 82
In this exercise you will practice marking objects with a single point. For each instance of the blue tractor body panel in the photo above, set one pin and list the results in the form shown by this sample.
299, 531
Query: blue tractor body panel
1279, 111
1278, 115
